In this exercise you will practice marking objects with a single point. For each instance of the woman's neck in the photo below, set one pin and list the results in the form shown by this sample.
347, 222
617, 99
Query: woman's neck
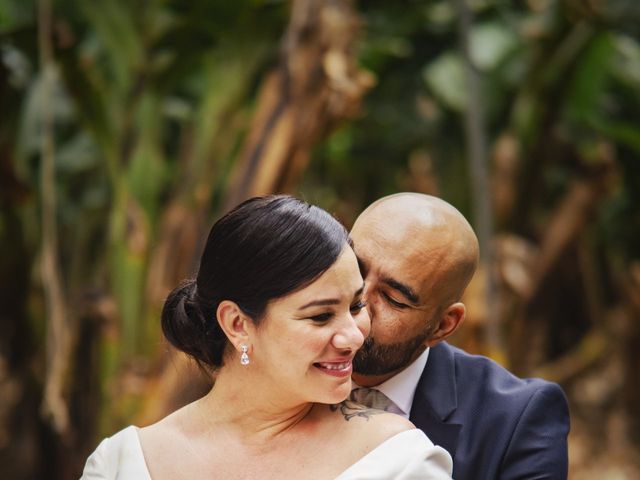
254, 416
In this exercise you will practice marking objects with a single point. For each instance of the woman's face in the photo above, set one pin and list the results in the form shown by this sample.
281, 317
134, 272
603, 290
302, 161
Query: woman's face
306, 341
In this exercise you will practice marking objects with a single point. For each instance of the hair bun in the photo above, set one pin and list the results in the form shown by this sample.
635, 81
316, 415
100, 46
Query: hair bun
184, 325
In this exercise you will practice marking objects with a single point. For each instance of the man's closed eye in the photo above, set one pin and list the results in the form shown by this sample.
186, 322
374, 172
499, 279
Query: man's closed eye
393, 302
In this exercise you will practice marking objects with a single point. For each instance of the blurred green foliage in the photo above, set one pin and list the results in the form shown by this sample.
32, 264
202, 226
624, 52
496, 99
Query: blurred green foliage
570, 68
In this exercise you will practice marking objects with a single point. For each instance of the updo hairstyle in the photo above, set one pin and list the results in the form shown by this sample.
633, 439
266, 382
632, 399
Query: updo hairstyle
264, 249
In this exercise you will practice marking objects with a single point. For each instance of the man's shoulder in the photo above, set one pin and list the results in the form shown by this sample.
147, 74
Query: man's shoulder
464, 399
480, 373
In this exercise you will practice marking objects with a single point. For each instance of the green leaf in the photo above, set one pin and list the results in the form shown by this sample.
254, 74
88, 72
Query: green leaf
78, 154
590, 79
626, 65
118, 38
445, 77
490, 44
623, 132
15, 14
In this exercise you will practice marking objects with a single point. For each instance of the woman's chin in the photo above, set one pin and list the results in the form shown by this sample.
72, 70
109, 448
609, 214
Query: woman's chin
337, 396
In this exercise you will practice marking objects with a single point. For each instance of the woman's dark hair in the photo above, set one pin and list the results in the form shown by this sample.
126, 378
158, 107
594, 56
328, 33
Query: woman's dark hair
265, 248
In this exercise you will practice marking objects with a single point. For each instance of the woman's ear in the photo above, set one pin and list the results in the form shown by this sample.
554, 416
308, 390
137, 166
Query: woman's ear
237, 325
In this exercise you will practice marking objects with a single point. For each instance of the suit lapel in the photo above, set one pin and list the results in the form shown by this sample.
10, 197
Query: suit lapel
436, 399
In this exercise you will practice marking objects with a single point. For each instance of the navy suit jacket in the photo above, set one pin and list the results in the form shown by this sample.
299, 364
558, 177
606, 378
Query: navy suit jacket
494, 425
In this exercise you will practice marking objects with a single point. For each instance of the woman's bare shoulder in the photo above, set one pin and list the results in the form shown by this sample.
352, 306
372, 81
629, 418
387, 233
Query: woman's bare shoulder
367, 425
170, 427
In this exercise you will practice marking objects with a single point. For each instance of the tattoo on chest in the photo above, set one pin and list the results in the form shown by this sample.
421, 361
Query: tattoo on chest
350, 409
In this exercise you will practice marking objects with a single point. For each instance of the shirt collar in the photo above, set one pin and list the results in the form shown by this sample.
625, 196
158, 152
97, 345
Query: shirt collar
401, 388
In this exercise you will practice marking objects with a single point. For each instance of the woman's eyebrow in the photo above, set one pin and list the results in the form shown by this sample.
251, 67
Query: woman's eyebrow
320, 302
329, 301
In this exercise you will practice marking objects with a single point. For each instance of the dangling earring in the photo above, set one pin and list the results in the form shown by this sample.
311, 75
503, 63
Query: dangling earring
244, 358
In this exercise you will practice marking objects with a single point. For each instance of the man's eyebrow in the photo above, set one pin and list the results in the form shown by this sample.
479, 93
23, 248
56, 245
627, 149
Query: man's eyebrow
405, 290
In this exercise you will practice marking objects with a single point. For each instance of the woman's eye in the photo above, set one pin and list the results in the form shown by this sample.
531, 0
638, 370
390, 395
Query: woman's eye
394, 302
323, 317
359, 305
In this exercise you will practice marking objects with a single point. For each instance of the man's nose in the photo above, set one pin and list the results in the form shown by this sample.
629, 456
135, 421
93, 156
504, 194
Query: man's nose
371, 299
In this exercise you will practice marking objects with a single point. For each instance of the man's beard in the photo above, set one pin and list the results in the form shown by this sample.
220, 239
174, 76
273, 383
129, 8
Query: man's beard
375, 359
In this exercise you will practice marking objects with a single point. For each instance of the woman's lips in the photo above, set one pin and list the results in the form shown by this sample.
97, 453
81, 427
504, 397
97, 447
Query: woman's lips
335, 369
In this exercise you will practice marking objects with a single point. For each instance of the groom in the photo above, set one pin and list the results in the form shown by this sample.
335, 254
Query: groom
417, 255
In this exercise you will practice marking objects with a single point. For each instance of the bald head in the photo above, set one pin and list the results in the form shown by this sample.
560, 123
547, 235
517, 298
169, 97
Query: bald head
429, 233
417, 255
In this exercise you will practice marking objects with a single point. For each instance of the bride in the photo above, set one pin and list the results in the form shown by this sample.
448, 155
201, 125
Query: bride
276, 312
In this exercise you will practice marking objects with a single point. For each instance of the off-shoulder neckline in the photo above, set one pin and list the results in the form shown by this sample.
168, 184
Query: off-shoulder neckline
398, 437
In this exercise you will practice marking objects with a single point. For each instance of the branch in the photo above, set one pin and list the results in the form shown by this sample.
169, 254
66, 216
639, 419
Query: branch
58, 343
316, 86
477, 151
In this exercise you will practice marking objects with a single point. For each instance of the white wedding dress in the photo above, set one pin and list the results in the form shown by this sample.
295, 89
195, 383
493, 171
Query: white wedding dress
409, 455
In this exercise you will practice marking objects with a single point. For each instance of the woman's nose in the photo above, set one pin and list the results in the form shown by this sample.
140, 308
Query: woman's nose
351, 335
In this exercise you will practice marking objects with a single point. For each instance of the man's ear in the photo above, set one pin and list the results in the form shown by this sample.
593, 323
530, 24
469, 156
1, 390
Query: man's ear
235, 324
451, 318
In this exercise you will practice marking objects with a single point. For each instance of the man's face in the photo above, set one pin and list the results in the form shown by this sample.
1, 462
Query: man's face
399, 274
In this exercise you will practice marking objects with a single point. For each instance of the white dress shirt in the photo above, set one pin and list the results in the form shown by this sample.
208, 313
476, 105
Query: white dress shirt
401, 388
